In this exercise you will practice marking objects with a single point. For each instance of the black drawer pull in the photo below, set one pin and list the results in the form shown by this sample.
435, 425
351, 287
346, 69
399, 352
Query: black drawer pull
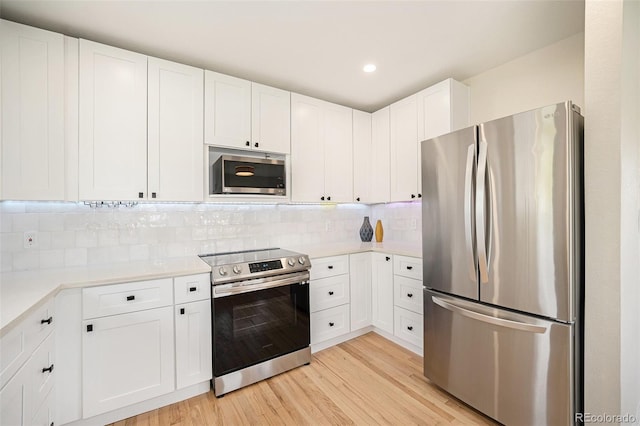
48, 369
387, 258
409, 267
140, 194
410, 328
47, 321
330, 266
130, 298
181, 311
331, 324
153, 195
330, 293
413, 195
409, 294
329, 198
89, 328
247, 143
193, 288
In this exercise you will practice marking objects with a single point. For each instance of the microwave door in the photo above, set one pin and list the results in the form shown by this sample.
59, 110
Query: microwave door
253, 177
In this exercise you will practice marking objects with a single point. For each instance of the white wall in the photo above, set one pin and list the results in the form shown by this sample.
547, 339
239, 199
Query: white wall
549, 75
629, 221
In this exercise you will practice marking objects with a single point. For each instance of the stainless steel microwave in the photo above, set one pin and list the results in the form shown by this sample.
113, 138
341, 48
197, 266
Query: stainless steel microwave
248, 175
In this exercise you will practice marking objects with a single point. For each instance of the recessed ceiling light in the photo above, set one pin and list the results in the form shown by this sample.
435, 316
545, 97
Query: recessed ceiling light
369, 68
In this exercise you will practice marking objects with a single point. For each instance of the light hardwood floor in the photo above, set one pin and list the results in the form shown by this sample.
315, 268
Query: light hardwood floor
365, 381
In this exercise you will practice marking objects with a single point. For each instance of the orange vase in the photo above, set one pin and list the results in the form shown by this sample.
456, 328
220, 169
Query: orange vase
379, 231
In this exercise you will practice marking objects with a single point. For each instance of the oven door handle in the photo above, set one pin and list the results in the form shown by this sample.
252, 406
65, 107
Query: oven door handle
260, 284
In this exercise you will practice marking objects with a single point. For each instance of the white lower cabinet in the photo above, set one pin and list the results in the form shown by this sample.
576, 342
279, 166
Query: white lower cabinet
127, 358
329, 323
193, 343
329, 298
407, 299
382, 291
408, 326
360, 289
13, 404
45, 416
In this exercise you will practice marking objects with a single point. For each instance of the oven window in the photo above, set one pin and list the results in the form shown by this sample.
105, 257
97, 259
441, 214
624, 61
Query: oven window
253, 327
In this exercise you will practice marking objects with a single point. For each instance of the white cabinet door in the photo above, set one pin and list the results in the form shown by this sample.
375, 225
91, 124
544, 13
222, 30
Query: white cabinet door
113, 123
307, 149
175, 128
338, 153
270, 119
360, 268
404, 149
14, 407
382, 291
227, 110
32, 113
363, 153
193, 343
127, 358
380, 175
442, 108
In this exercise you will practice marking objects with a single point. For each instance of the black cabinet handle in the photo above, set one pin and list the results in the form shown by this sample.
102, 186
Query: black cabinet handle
409, 267
419, 195
247, 143
193, 288
358, 199
140, 194
153, 195
331, 324
48, 369
387, 258
181, 311
410, 328
409, 295
322, 198
89, 328
329, 198
130, 298
51, 424
413, 195
330, 293
47, 321
256, 144
330, 266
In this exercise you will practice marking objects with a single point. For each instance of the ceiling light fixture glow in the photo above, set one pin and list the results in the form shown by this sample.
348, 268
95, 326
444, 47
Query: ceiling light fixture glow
369, 68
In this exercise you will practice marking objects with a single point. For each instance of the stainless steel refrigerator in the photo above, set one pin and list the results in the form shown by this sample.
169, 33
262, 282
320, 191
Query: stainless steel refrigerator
503, 267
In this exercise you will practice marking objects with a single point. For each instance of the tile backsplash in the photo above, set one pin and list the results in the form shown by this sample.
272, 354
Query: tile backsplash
72, 234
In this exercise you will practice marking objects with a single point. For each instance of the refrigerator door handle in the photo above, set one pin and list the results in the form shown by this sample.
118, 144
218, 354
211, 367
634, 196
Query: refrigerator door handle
515, 325
481, 219
468, 218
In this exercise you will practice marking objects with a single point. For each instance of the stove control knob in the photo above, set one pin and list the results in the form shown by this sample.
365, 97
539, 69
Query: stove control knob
301, 260
237, 269
222, 271
291, 262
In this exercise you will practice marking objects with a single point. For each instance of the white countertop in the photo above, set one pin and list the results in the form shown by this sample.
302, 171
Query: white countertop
21, 292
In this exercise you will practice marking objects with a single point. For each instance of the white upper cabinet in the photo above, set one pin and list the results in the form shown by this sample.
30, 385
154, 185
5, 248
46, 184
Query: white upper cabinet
442, 108
113, 123
244, 115
270, 119
321, 150
227, 109
404, 149
175, 131
32, 105
362, 157
380, 175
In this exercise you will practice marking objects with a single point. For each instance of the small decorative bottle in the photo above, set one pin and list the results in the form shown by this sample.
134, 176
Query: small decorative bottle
366, 231
379, 231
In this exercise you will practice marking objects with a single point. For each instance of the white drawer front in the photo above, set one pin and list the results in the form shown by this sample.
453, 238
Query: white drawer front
330, 323
19, 343
329, 292
192, 288
128, 297
42, 371
407, 293
410, 267
329, 266
408, 326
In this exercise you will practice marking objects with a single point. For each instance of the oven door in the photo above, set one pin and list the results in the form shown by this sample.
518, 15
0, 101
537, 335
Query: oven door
257, 320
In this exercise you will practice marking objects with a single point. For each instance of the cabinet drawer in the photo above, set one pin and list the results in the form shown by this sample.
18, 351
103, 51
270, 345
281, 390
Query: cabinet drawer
19, 343
330, 323
410, 267
407, 293
42, 372
128, 297
329, 266
408, 326
329, 292
192, 288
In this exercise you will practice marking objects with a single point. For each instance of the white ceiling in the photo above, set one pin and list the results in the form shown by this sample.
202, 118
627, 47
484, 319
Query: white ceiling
318, 48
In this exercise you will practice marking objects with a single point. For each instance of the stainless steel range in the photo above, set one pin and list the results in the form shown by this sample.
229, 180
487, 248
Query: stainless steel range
260, 315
